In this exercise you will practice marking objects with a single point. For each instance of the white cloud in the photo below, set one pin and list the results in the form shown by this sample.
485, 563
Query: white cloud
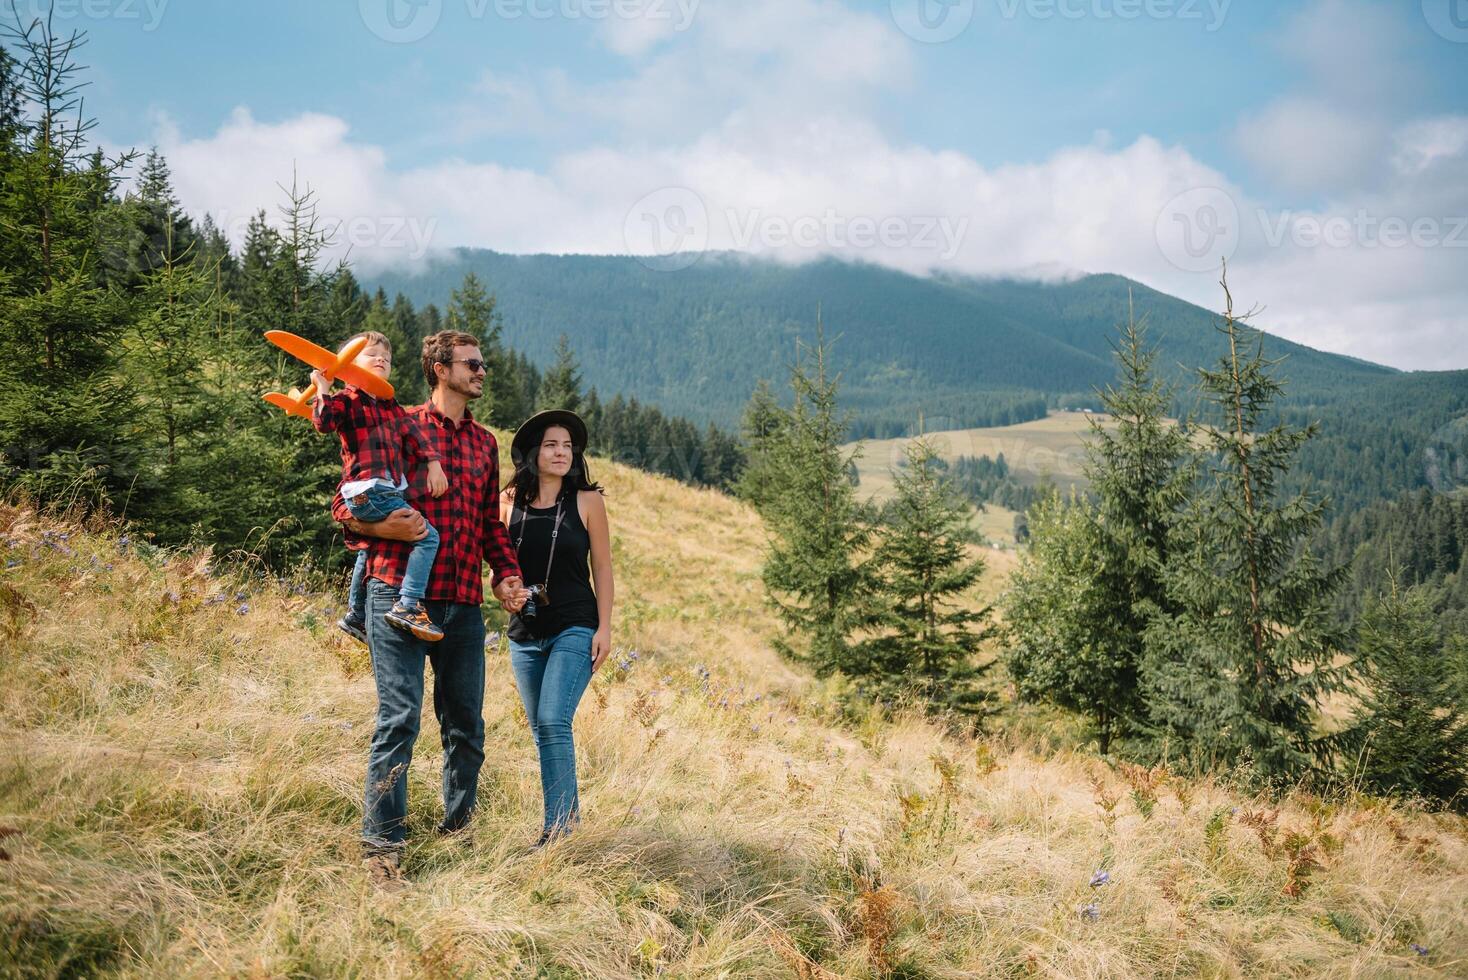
762, 113
1305, 144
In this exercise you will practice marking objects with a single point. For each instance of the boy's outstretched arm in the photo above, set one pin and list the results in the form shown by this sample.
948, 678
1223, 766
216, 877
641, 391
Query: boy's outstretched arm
326, 410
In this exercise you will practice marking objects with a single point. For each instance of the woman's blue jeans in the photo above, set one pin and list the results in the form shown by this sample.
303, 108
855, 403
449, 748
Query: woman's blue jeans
552, 674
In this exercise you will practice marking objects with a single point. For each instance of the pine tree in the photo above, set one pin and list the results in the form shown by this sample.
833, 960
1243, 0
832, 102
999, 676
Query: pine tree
1092, 581
1141, 472
1237, 672
475, 311
925, 640
813, 573
161, 230
60, 399
1409, 734
1066, 645
560, 387
760, 430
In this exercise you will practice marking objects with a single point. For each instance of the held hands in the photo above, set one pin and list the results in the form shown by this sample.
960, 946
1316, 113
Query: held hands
511, 593
438, 483
323, 387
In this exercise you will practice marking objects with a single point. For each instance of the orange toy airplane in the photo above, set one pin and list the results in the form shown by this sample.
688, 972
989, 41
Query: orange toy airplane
334, 366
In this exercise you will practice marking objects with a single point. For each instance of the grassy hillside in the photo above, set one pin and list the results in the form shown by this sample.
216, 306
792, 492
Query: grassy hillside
1049, 449
181, 749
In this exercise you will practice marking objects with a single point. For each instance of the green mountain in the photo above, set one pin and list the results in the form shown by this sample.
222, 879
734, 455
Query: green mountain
962, 351
973, 352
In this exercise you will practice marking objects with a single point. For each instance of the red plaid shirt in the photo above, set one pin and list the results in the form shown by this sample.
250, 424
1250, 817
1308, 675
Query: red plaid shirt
467, 517
377, 438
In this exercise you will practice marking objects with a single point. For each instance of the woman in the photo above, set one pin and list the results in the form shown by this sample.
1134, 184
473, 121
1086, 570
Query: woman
557, 521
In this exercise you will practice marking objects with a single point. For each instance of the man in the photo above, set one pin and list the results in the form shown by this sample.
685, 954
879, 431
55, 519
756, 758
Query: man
468, 523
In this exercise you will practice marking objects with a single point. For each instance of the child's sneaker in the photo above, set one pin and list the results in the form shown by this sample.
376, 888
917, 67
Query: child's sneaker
415, 621
353, 627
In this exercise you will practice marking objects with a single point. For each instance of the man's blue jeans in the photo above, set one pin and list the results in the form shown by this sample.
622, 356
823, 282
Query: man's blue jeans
552, 674
458, 701
375, 505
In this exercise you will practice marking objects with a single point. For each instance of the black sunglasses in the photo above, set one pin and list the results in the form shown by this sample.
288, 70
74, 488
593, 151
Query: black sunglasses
475, 364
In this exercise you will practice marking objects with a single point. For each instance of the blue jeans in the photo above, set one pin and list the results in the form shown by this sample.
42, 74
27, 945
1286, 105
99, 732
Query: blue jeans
458, 701
378, 503
552, 674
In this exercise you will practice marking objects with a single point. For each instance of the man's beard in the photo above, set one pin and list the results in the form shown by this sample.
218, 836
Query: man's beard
465, 388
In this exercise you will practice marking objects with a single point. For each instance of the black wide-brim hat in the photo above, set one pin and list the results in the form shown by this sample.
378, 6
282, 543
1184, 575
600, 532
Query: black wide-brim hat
531, 428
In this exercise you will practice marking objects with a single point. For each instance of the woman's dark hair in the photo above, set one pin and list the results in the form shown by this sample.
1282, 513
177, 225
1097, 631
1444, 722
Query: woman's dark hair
526, 481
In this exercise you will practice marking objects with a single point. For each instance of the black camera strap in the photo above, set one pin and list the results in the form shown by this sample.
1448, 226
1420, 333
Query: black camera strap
555, 532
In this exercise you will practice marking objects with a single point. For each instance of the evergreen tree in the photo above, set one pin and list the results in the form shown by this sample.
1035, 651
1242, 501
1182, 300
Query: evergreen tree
60, 400
12, 117
1409, 734
1066, 645
1238, 670
347, 307
1093, 579
925, 640
475, 311
162, 232
1141, 472
761, 431
721, 458
560, 387
813, 573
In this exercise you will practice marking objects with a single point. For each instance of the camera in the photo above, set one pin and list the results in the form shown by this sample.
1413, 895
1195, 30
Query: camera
536, 592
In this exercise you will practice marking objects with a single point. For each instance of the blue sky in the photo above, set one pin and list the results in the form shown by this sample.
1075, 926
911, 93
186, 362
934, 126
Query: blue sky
1046, 136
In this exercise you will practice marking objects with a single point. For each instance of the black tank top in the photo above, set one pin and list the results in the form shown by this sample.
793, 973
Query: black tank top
572, 602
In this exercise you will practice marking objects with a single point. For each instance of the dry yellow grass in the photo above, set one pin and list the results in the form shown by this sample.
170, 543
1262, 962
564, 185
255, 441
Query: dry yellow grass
180, 775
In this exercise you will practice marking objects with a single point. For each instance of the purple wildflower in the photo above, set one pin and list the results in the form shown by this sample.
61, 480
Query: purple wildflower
243, 609
1100, 878
1419, 949
1091, 912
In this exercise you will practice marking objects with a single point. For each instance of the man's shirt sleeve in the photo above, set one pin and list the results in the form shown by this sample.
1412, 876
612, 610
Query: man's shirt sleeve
497, 549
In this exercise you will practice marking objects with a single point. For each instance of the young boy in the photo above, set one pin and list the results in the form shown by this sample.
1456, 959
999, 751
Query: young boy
378, 441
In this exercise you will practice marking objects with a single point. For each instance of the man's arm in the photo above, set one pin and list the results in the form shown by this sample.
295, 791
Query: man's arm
401, 525
497, 549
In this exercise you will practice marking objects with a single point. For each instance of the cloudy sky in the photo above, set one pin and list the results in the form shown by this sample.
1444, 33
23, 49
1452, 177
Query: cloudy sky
1320, 146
